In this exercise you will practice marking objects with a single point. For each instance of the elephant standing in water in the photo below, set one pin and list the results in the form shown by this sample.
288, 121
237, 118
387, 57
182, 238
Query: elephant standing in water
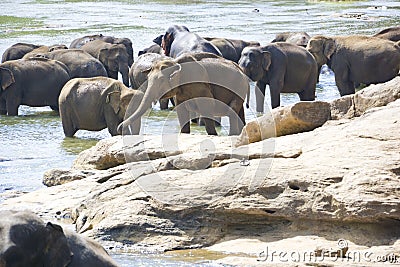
126, 42
178, 40
34, 82
285, 67
297, 38
231, 48
357, 59
140, 70
210, 86
17, 51
95, 104
113, 56
392, 34
25, 240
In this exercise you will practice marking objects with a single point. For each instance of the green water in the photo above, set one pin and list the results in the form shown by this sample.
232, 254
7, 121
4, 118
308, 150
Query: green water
34, 141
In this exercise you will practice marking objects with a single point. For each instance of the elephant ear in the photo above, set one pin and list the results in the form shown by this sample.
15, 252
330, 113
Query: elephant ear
6, 78
103, 55
266, 60
329, 47
113, 97
57, 251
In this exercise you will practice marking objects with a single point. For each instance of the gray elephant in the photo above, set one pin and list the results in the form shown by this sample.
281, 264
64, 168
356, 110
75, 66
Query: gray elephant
44, 49
392, 34
178, 40
297, 38
139, 71
80, 63
17, 51
155, 48
285, 67
113, 56
79, 42
25, 240
356, 59
33, 82
231, 48
95, 104
196, 85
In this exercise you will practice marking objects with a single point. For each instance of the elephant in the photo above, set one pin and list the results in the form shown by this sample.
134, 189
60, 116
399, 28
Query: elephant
33, 82
178, 40
231, 48
392, 34
139, 71
79, 42
80, 63
113, 56
285, 67
155, 48
17, 51
44, 49
96, 103
26, 240
356, 59
212, 86
297, 38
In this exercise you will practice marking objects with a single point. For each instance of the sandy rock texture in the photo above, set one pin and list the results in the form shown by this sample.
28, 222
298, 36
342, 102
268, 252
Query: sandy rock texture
308, 192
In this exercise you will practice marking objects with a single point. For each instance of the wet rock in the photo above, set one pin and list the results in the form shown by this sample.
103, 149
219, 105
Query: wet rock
300, 117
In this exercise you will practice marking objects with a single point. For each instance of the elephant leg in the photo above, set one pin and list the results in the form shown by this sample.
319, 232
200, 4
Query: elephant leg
12, 107
345, 86
68, 126
3, 108
164, 104
184, 118
112, 122
55, 107
210, 126
275, 92
260, 95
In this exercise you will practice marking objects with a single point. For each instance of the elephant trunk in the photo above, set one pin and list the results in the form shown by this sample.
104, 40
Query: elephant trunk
124, 70
145, 104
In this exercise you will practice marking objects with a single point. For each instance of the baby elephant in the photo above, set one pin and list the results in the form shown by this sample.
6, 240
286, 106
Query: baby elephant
285, 67
96, 103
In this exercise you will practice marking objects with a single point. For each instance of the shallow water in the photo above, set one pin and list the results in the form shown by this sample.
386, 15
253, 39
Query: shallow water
34, 142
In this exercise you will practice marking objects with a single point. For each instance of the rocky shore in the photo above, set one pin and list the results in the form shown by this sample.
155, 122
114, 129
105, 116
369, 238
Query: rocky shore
322, 195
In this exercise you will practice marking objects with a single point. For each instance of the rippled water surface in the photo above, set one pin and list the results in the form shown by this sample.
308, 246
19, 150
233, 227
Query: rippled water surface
34, 141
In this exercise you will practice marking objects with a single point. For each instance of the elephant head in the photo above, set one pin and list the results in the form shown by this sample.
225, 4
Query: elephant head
121, 101
171, 78
322, 48
115, 59
255, 62
27, 241
128, 46
6, 78
169, 37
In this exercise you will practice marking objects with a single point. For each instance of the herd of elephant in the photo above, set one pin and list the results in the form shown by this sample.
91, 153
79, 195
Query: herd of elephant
203, 77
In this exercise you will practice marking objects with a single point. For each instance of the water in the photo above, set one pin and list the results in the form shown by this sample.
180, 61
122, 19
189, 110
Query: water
34, 141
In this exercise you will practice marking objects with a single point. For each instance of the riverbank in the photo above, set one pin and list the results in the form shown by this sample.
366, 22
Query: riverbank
291, 196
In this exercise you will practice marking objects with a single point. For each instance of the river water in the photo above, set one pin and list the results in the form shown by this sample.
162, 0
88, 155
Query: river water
34, 141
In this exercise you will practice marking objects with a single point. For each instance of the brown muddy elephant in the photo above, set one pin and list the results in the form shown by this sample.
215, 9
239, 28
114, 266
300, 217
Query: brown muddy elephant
26, 240
285, 67
44, 49
139, 71
79, 42
17, 51
34, 82
392, 34
113, 56
231, 48
80, 63
356, 59
207, 86
95, 104
297, 38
